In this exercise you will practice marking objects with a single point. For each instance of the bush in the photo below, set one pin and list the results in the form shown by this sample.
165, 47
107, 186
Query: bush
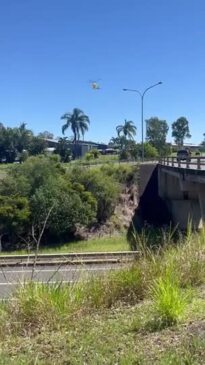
122, 173
26, 178
70, 208
124, 155
103, 188
14, 215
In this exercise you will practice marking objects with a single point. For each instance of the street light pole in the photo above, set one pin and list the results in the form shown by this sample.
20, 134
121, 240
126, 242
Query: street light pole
142, 94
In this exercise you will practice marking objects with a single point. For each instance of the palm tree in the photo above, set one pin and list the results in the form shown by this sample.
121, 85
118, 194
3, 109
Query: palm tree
23, 137
128, 129
77, 121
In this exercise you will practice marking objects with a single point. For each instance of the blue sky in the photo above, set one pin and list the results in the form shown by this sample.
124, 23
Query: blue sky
50, 49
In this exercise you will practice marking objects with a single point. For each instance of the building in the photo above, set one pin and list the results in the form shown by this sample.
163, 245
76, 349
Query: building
78, 149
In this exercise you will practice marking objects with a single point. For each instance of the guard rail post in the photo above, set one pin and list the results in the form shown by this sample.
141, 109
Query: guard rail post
198, 163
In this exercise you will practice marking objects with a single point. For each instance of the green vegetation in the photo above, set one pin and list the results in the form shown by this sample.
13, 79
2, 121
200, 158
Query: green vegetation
156, 135
127, 130
148, 313
78, 122
41, 196
101, 244
180, 130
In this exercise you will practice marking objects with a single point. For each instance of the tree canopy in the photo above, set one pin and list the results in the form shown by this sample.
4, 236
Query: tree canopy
180, 130
157, 133
128, 130
77, 121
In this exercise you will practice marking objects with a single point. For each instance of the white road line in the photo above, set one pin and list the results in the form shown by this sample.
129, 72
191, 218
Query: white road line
60, 270
39, 282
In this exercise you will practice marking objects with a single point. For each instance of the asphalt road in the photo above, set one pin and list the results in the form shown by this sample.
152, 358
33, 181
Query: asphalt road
11, 278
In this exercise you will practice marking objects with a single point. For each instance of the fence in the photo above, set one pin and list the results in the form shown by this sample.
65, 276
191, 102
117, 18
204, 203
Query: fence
188, 163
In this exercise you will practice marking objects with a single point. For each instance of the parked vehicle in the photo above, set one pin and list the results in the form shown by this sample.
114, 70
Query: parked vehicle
184, 155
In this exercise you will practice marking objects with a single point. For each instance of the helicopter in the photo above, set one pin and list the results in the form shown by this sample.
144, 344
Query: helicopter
95, 84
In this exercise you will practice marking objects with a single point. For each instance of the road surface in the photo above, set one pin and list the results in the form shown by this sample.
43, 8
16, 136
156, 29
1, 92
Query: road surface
12, 277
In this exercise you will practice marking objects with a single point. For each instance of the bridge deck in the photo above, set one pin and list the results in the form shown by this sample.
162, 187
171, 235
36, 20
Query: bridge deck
193, 163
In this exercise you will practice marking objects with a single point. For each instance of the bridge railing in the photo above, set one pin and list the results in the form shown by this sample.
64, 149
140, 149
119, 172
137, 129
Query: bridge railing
189, 163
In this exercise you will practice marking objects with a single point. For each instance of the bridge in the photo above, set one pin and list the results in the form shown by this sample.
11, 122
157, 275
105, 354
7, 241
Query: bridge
180, 185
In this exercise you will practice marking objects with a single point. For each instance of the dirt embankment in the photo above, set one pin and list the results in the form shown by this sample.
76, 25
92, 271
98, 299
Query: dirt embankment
119, 221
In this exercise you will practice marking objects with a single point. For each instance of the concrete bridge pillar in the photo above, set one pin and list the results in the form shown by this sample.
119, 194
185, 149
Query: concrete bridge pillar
184, 193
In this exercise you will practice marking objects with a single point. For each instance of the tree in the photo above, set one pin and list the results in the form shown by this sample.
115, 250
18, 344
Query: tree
118, 142
63, 149
46, 135
77, 121
8, 143
149, 151
156, 133
23, 137
37, 146
128, 130
180, 130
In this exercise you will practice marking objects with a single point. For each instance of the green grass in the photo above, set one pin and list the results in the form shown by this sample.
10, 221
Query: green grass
105, 336
149, 313
101, 244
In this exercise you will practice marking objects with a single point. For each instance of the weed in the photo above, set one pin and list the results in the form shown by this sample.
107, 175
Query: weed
169, 301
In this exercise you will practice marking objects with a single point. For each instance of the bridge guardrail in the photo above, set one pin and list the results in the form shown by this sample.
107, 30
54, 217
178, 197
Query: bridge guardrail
189, 163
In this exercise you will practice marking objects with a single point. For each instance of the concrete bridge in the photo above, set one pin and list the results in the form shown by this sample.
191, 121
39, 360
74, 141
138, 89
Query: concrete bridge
180, 185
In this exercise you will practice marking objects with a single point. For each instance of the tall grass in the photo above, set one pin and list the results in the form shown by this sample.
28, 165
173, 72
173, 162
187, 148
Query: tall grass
158, 275
168, 300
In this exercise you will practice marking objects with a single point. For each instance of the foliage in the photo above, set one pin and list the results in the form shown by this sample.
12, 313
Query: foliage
72, 206
180, 130
37, 146
77, 121
14, 215
128, 129
18, 141
92, 154
77, 197
122, 173
63, 149
156, 133
119, 142
85, 320
124, 155
169, 302
46, 135
103, 188
149, 151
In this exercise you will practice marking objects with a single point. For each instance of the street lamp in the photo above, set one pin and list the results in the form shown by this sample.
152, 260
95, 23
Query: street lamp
142, 94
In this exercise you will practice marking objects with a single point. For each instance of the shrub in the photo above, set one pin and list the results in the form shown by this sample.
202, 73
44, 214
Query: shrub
122, 173
70, 207
104, 188
14, 215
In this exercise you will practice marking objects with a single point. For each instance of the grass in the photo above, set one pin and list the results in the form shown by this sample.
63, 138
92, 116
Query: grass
169, 301
101, 244
149, 313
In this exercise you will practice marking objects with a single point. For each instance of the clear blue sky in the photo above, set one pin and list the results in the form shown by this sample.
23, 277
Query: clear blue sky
50, 49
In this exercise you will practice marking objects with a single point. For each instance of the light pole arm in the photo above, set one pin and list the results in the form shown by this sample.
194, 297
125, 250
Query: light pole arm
150, 87
136, 91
